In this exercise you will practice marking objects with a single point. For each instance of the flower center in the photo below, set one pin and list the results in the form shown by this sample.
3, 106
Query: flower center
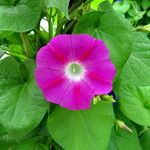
75, 71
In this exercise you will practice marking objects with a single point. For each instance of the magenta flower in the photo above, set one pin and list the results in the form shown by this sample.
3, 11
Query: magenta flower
72, 69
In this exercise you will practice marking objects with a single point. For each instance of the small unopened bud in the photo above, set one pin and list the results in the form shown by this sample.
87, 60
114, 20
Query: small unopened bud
145, 28
122, 125
108, 98
96, 100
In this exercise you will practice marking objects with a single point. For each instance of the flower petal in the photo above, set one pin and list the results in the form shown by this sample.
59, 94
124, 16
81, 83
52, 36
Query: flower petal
98, 84
88, 49
81, 44
47, 77
97, 53
61, 45
55, 93
77, 96
46, 58
104, 69
52, 84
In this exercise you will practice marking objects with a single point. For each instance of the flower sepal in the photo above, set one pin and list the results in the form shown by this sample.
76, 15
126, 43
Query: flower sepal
107, 98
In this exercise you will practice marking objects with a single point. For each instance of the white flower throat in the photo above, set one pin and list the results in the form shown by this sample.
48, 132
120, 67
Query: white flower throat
74, 71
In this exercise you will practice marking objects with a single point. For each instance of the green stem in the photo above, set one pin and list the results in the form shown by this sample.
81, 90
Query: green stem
11, 53
37, 36
60, 23
50, 28
69, 26
43, 28
26, 44
55, 13
73, 14
17, 55
75, 5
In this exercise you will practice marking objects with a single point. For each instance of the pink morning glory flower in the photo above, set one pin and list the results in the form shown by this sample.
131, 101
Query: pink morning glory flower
72, 69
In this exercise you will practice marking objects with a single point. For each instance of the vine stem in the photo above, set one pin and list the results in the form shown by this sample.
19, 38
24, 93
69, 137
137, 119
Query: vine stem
11, 53
26, 44
59, 23
50, 28
73, 13
37, 30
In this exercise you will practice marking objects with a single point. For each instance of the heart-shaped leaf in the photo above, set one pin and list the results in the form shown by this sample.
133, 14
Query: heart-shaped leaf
22, 106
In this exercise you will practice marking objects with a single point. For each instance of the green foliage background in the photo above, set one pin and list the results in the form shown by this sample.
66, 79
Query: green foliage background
28, 122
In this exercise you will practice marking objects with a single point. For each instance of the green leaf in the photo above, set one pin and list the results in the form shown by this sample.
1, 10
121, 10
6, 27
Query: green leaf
82, 130
137, 69
19, 15
11, 37
145, 4
30, 144
115, 32
135, 103
133, 85
122, 6
95, 3
145, 140
148, 13
61, 5
2, 131
123, 140
22, 106
135, 12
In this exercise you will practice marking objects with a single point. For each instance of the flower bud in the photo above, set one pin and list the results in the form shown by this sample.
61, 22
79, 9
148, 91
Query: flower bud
122, 125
